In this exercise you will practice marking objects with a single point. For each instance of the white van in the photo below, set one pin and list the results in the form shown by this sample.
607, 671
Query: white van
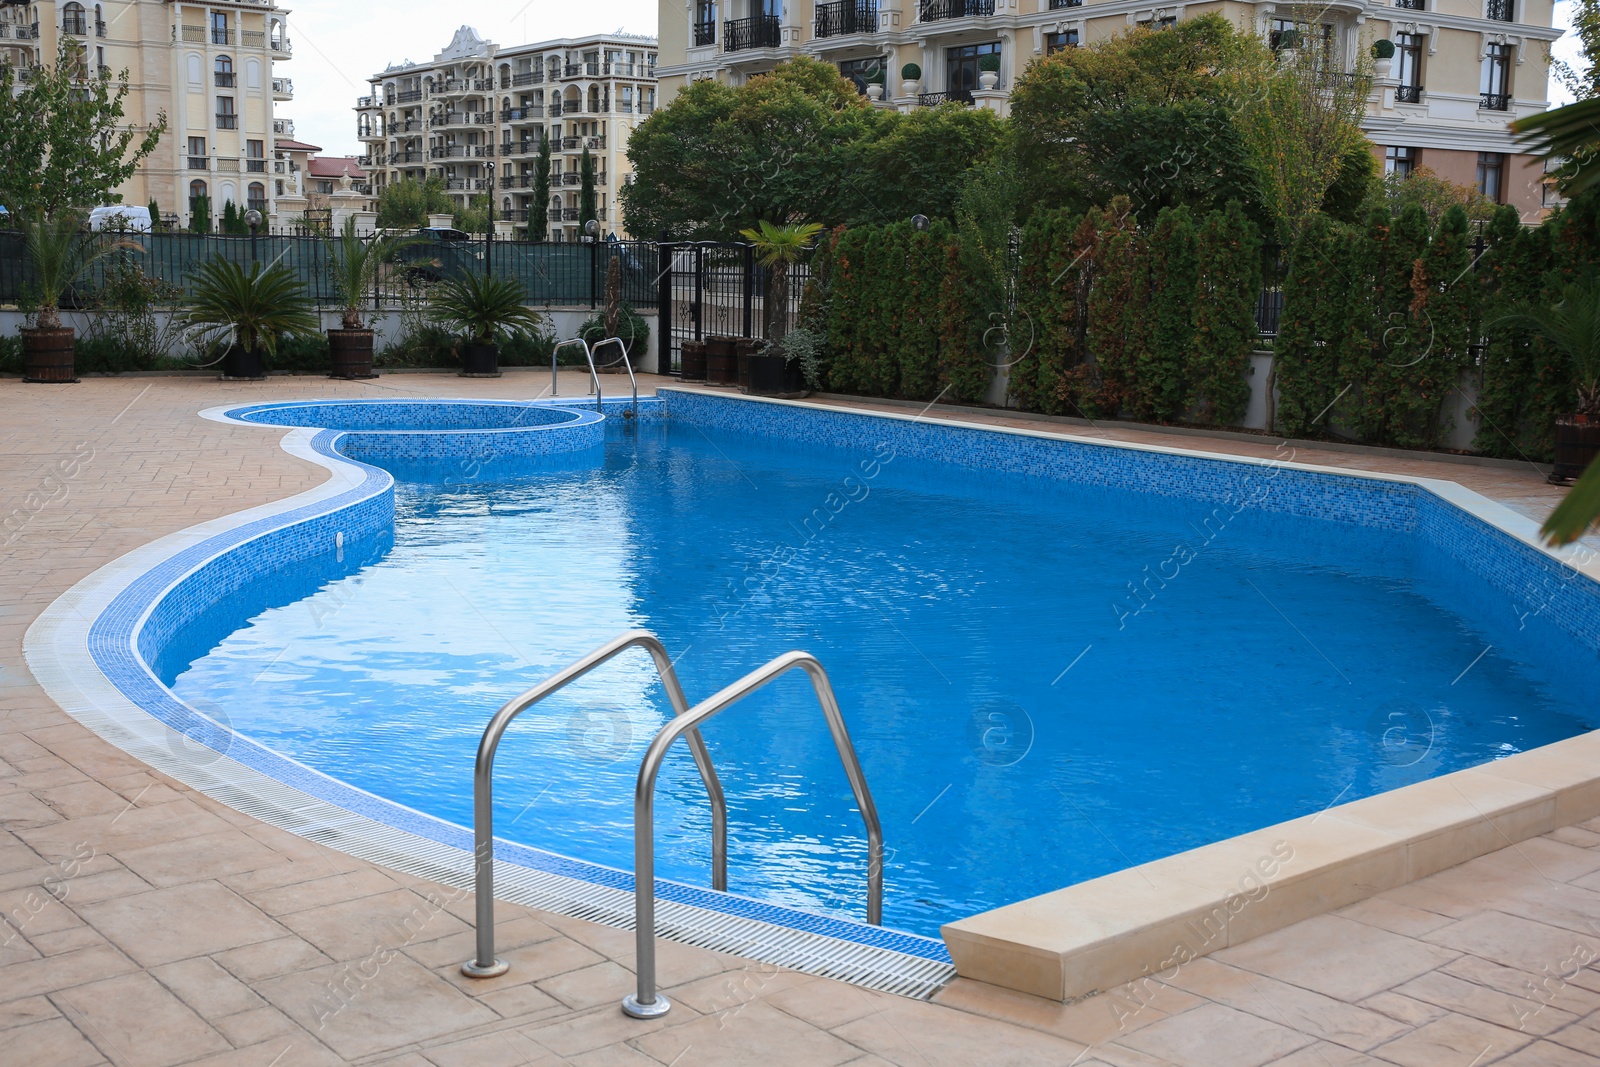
120, 217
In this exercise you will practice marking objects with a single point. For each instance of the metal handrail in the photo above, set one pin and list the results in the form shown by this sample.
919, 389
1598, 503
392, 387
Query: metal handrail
485, 965
588, 354
646, 1003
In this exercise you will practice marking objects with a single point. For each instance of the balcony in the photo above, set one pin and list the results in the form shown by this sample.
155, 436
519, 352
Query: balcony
935, 99
282, 46
99, 28
528, 77
224, 79
1055, 4
705, 33
522, 114
199, 163
555, 109
1408, 94
252, 39
449, 118
1501, 10
846, 16
228, 122
481, 150
1494, 101
757, 31
410, 155
576, 144
574, 70
940, 10
410, 96
222, 37
193, 34
283, 88
78, 27
255, 166
448, 151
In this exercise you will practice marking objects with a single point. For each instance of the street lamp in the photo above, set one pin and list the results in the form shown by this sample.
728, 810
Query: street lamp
591, 229
252, 219
488, 233
920, 222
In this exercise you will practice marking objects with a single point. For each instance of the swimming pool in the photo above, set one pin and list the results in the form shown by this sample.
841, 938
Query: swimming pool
1048, 675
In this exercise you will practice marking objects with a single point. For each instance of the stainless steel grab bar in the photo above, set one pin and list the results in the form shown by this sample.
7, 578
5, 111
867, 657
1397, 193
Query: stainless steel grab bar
594, 375
646, 1003
485, 965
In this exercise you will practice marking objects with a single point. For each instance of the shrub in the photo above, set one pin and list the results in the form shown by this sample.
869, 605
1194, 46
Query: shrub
631, 327
911, 72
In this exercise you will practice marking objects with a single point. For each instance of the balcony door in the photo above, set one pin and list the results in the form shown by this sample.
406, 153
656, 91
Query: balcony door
961, 68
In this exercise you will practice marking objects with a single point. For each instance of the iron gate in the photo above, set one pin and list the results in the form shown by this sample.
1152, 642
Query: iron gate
714, 289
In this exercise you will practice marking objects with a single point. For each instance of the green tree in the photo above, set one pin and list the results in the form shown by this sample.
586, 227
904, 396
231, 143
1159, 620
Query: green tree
155, 215
920, 163
67, 144
200, 214
406, 204
1227, 287
231, 223
587, 211
1321, 330
1523, 382
1118, 307
1162, 368
539, 213
778, 248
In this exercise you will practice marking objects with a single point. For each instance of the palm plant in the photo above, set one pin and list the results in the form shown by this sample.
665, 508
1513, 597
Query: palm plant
776, 247
1572, 327
486, 309
354, 264
61, 253
253, 308
1570, 133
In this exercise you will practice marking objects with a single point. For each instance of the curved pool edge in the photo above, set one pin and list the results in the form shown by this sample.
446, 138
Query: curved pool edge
85, 652
1122, 931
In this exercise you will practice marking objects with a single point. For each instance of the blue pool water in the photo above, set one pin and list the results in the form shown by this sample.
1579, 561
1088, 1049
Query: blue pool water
1026, 720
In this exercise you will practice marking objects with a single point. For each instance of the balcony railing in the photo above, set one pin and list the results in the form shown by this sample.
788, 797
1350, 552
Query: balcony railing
1054, 4
199, 163
283, 86
282, 45
960, 96
256, 166
1408, 94
846, 16
448, 151
757, 31
1494, 101
252, 39
194, 34
555, 109
483, 150
228, 122
528, 77
705, 33
99, 28
413, 155
78, 27
221, 36
224, 79
410, 96
938, 10
522, 114
1412, 5
1501, 10
573, 70
573, 144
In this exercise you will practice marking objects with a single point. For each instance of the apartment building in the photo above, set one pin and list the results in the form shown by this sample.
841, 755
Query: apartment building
209, 66
1463, 69
478, 105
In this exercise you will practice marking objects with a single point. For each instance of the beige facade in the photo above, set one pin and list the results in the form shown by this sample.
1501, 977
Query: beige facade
478, 104
208, 66
1465, 68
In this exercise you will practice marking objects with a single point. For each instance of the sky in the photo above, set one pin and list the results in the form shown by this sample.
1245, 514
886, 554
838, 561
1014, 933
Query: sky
339, 45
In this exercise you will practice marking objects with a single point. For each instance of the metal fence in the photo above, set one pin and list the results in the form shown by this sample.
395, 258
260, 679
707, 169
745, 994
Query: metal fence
551, 272
716, 289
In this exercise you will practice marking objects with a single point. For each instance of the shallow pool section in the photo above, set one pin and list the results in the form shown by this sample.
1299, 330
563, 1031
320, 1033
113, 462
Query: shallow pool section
1046, 679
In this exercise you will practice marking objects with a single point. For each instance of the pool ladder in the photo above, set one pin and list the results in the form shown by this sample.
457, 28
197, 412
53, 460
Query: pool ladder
645, 1002
594, 375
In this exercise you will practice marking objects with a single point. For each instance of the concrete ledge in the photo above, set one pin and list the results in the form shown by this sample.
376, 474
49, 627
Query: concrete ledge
1146, 921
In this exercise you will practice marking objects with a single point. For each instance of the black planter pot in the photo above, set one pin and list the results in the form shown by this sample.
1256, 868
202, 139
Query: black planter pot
692, 361
1577, 442
776, 376
351, 352
722, 366
480, 361
239, 365
47, 355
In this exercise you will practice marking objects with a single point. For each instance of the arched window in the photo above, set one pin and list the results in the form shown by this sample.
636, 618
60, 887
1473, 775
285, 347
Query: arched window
73, 20
257, 197
223, 72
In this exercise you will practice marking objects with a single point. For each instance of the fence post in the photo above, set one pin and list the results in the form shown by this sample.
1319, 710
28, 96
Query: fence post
749, 286
699, 285
663, 305
594, 256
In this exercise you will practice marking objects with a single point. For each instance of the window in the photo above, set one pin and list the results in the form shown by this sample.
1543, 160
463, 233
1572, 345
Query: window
1494, 87
256, 197
1491, 175
625, 99
197, 155
861, 71
198, 204
1060, 42
227, 119
1165, 22
961, 68
219, 28
74, 20
325, 187
223, 74
1408, 53
255, 159
1500, 10
1288, 33
1401, 161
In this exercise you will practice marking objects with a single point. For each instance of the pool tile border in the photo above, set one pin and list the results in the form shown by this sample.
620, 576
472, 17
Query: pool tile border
1146, 923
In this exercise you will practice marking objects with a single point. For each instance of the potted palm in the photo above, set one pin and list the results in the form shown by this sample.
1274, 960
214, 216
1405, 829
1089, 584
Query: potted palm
1572, 327
486, 310
61, 253
249, 311
354, 264
776, 248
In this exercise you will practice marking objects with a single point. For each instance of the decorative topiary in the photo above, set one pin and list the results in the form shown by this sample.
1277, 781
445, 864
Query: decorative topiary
875, 78
911, 72
1383, 48
989, 61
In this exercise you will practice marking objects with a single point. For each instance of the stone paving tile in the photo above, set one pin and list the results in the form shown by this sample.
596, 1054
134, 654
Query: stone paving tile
191, 933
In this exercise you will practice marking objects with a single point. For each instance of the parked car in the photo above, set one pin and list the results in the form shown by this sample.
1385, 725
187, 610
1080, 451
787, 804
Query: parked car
125, 217
441, 253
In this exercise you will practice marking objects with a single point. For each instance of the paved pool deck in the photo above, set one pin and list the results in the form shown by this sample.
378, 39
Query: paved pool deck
146, 924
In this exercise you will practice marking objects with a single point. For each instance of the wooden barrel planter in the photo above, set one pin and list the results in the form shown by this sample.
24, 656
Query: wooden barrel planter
47, 355
351, 352
480, 361
1577, 443
692, 361
743, 349
242, 365
722, 361
776, 376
